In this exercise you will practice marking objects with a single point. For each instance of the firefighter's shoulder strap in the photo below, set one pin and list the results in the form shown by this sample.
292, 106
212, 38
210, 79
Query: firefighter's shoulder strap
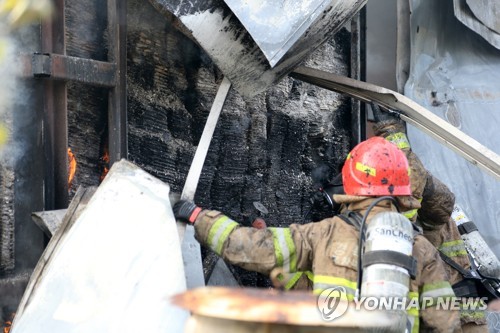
468, 274
381, 256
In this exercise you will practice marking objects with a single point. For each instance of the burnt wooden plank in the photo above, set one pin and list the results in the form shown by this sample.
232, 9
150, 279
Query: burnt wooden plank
76, 69
87, 37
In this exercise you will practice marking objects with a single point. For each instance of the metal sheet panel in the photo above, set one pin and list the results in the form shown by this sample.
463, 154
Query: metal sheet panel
454, 74
115, 267
276, 25
487, 11
213, 25
480, 18
411, 113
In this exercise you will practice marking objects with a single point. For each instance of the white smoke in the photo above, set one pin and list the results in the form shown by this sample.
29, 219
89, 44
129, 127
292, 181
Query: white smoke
8, 94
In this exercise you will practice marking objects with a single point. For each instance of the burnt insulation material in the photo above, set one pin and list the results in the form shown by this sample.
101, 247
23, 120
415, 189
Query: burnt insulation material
264, 149
7, 206
7, 259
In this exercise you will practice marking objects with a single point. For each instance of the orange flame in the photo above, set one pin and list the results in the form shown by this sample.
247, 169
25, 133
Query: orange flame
105, 160
71, 167
8, 323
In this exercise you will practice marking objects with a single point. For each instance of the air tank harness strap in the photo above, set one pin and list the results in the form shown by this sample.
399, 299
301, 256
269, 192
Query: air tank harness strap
391, 258
468, 274
467, 227
466, 287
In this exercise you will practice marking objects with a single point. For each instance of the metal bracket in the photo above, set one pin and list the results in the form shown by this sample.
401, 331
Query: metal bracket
66, 68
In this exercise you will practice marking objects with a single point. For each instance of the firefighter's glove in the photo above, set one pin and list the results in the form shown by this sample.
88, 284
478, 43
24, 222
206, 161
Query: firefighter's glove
186, 211
388, 127
329, 191
381, 114
323, 198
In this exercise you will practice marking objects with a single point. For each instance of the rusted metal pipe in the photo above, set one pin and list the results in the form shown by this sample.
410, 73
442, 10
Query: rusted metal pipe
246, 310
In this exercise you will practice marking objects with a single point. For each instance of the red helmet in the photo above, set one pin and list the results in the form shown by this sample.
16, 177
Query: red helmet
376, 167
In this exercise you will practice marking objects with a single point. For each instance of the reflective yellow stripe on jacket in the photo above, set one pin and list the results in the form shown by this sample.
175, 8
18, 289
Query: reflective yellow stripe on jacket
412, 311
472, 309
294, 278
399, 139
454, 248
284, 249
412, 213
432, 292
219, 232
322, 282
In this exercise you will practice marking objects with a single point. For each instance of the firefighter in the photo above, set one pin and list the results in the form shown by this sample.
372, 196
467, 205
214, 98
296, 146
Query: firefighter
328, 248
434, 216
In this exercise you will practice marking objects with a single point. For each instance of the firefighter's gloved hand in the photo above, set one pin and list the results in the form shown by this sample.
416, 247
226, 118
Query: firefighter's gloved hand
329, 191
386, 123
259, 223
186, 211
323, 198
387, 127
383, 114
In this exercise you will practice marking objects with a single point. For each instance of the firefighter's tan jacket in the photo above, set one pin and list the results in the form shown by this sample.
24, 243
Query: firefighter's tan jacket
328, 249
434, 215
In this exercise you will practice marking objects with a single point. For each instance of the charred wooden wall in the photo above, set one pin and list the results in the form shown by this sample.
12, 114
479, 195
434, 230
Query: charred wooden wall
264, 149
21, 174
87, 105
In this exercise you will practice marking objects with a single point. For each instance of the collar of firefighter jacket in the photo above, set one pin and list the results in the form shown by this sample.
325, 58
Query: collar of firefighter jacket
360, 203
405, 202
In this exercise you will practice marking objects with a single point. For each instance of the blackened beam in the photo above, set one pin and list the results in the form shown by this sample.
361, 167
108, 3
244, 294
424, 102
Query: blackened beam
117, 98
66, 68
358, 127
55, 105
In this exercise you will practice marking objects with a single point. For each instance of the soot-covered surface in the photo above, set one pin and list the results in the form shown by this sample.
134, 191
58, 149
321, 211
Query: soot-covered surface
263, 150
87, 105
